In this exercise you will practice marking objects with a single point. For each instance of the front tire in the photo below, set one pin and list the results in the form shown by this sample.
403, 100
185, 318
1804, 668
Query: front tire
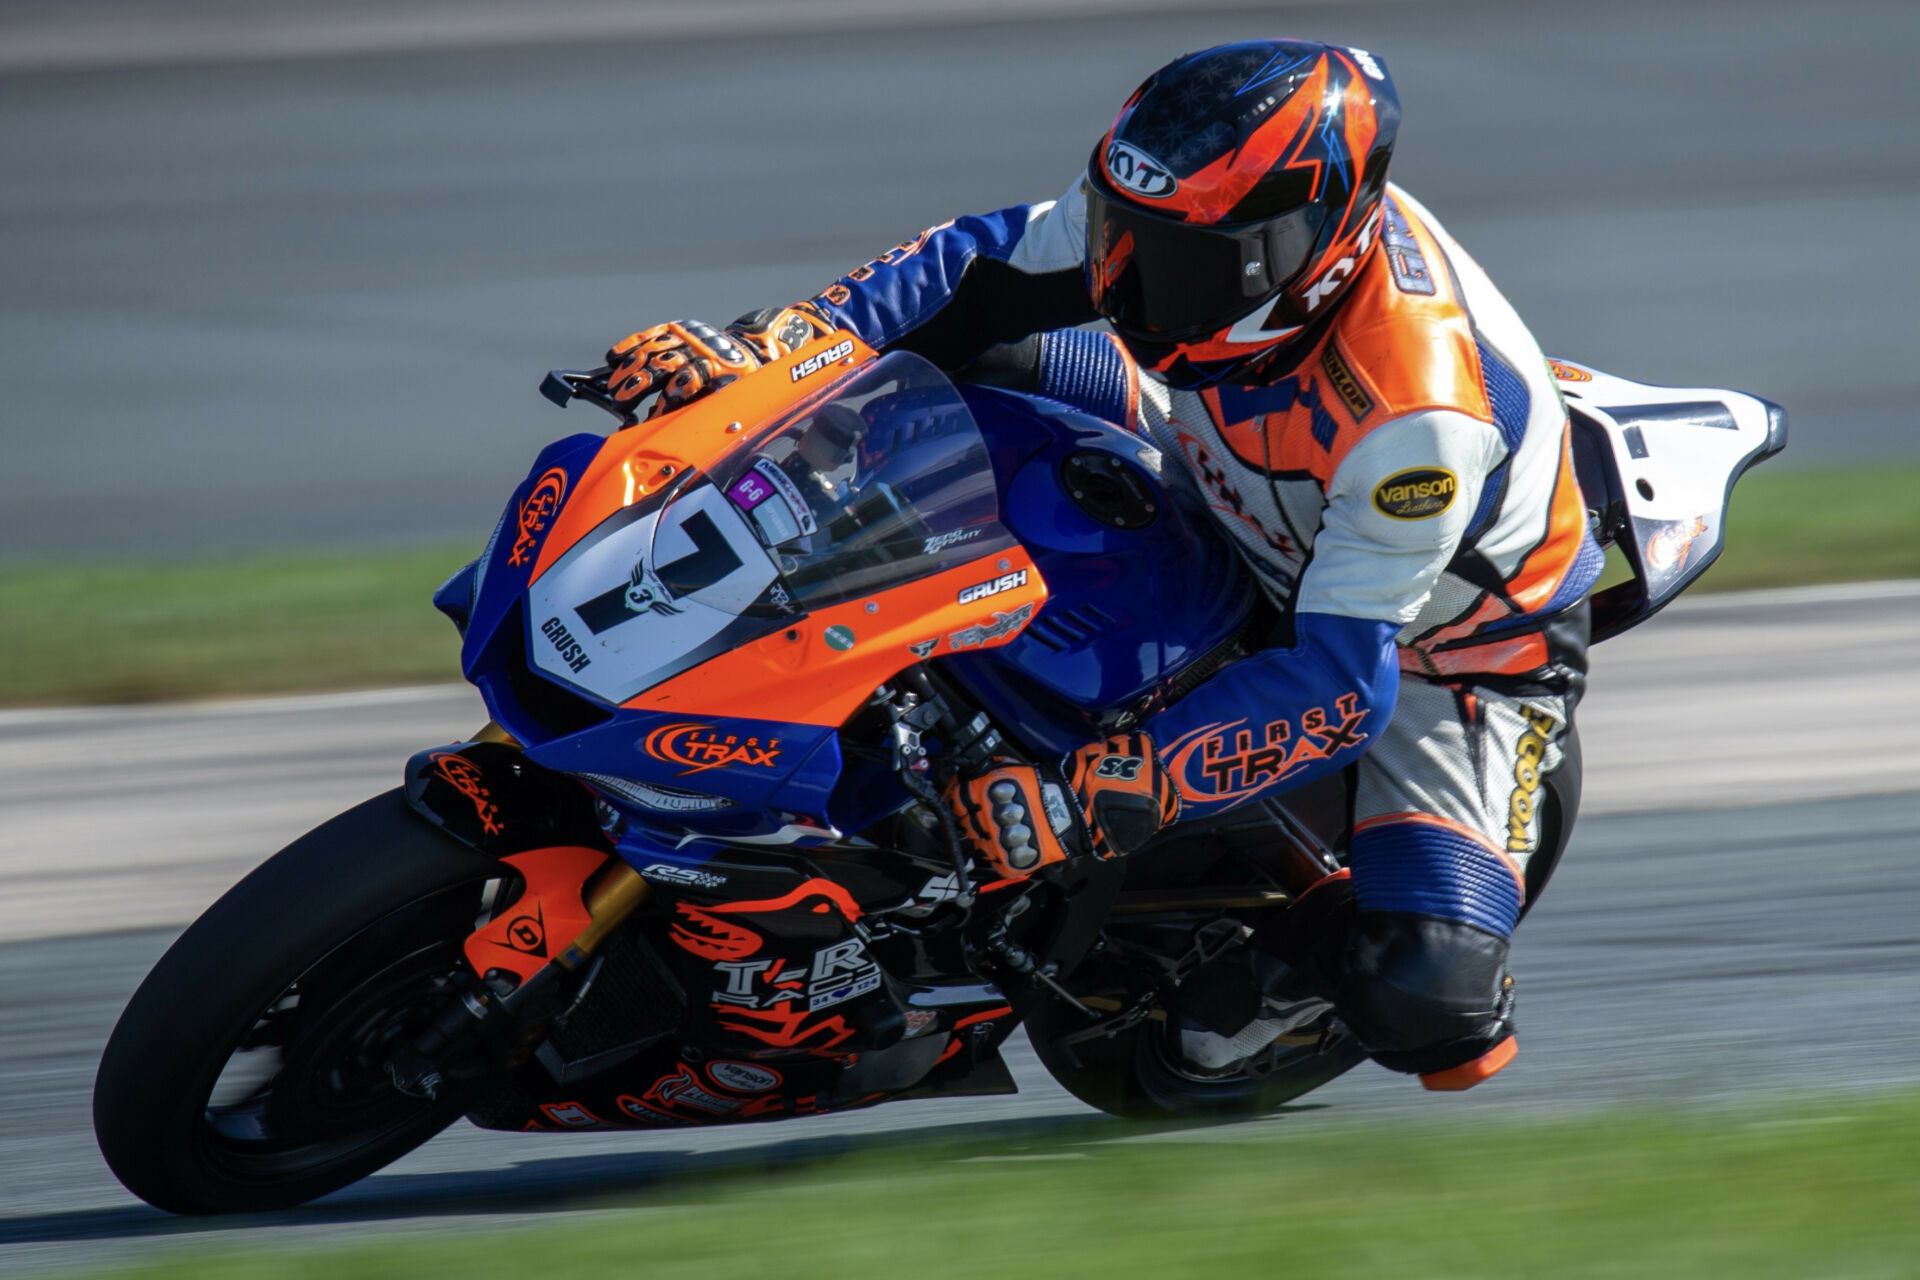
248, 1071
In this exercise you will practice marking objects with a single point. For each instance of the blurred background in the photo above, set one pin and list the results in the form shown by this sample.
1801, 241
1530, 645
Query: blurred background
278, 281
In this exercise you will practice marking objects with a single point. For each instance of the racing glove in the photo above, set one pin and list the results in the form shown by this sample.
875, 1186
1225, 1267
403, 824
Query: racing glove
682, 360
1109, 800
686, 359
780, 331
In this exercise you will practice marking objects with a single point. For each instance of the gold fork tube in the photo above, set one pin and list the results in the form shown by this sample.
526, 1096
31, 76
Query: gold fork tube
619, 894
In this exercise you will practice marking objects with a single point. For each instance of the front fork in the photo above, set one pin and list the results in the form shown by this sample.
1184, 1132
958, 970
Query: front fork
573, 889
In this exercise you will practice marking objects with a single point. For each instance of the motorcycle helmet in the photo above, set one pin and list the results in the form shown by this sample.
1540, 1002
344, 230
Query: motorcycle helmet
1234, 200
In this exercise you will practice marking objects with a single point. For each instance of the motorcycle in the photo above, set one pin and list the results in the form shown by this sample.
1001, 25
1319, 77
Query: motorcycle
695, 870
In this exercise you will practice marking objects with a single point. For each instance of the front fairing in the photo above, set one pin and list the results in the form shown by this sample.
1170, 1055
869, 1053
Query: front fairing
664, 617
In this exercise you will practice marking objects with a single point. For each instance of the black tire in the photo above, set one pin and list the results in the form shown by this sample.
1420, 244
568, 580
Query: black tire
340, 934
1138, 1072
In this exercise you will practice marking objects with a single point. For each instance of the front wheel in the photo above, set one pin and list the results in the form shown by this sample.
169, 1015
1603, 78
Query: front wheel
249, 1070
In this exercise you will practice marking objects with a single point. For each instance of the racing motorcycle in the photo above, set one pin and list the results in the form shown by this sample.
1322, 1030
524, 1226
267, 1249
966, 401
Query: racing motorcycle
695, 870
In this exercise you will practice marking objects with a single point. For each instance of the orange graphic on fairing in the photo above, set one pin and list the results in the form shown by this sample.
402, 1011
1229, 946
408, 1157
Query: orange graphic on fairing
700, 748
548, 915
831, 897
548, 492
463, 775
696, 932
801, 677
786, 1027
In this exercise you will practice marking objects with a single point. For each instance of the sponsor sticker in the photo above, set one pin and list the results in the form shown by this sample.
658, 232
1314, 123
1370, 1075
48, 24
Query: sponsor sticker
1404, 258
1368, 64
744, 1077
1005, 582
1232, 761
1668, 548
832, 355
840, 637
700, 747
1003, 624
1133, 170
571, 1115
940, 889
570, 650
750, 490
924, 648
1352, 394
463, 775
668, 873
535, 510
1419, 493
951, 538
1564, 372
683, 1089
1532, 753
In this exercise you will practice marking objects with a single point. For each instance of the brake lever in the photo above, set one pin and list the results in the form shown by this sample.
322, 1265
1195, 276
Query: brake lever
562, 386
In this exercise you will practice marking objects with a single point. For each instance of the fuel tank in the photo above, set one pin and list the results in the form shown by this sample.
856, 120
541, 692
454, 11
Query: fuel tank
1140, 583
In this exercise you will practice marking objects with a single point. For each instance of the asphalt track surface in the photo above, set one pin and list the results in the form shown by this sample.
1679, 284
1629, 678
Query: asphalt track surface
308, 300
1733, 921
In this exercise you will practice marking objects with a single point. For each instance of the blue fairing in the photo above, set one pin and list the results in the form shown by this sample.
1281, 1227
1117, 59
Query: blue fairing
1126, 610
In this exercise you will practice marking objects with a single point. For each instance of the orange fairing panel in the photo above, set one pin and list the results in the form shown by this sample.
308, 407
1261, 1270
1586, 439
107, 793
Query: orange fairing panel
822, 668
645, 458
549, 914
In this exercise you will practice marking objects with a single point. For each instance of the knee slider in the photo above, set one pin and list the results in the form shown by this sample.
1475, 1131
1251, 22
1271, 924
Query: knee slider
1424, 994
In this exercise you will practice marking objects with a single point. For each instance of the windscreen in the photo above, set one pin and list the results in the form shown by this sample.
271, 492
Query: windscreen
882, 481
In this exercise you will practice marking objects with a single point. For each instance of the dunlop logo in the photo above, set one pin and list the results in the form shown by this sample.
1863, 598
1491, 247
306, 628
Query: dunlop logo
1358, 402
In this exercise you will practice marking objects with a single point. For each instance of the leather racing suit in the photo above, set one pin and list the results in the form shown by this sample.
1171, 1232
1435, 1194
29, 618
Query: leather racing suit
1406, 497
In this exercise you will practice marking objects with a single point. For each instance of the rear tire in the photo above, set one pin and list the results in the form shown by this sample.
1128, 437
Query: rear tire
322, 956
1137, 1072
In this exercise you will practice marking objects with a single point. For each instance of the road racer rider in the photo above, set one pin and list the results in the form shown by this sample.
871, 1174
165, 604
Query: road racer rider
1378, 433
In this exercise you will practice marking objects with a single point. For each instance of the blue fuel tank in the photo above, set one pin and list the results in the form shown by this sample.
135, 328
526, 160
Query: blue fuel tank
1140, 583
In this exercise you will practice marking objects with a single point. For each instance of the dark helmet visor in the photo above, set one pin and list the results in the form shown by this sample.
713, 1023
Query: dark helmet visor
1181, 281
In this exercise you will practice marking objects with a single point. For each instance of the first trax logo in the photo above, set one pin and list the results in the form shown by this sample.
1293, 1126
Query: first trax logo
700, 747
535, 510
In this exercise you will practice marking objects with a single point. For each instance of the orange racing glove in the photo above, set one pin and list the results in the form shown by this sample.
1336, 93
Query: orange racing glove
683, 361
781, 331
1125, 795
1017, 821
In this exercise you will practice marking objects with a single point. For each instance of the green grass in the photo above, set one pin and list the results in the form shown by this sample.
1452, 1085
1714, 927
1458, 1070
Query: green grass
1786, 528
137, 632
1827, 1190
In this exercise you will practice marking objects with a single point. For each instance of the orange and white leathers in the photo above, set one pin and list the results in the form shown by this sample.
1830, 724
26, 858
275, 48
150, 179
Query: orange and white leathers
1409, 478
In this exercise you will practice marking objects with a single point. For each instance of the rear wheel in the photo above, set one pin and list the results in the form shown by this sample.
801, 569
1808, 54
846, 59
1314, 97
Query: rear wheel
1138, 1069
249, 1070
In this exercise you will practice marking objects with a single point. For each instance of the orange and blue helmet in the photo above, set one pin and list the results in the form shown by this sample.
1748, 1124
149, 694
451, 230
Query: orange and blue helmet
1233, 201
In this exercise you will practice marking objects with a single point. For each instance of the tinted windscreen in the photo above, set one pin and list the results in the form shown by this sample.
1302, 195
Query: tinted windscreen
883, 481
